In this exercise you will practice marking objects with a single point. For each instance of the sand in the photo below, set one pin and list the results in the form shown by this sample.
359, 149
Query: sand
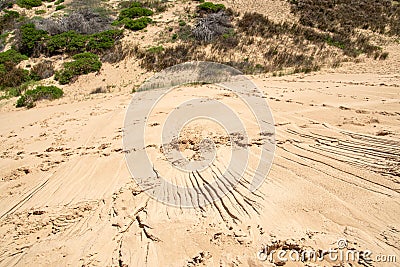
67, 197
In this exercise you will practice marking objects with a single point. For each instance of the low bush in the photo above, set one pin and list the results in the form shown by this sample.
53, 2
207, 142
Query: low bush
210, 7
83, 63
32, 42
134, 12
59, 7
29, 98
11, 56
29, 38
135, 17
136, 24
103, 40
29, 3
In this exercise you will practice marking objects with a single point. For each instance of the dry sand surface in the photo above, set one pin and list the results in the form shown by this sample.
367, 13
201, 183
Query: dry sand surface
67, 198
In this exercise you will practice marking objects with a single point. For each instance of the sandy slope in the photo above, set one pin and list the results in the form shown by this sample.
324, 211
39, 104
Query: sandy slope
67, 198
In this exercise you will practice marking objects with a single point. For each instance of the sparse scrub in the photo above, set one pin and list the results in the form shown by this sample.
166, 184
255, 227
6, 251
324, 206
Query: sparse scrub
158, 5
212, 26
40, 12
344, 16
83, 63
42, 70
11, 76
6, 4
29, 98
83, 21
8, 21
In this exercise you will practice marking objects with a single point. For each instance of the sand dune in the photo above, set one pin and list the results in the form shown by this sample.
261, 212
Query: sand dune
67, 197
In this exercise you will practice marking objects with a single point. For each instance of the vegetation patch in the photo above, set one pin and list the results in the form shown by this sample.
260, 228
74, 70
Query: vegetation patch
29, 38
341, 16
10, 75
136, 24
83, 21
210, 7
29, 3
135, 11
42, 70
59, 7
135, 17
212, 26
8, 22
83, 63
33, 42
29, 98
11, 56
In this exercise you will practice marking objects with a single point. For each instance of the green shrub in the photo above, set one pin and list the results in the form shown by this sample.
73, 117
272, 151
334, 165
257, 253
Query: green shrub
135, 17
59, 2
33, 41
10, 14
210, 7
30, 38
29, 98
29, 3
83, 63
134, 12
11, 56
103, 40
66, 42
137, 24
60, 7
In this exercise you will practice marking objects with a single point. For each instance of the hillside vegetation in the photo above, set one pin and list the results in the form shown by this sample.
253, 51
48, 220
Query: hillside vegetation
325, 34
